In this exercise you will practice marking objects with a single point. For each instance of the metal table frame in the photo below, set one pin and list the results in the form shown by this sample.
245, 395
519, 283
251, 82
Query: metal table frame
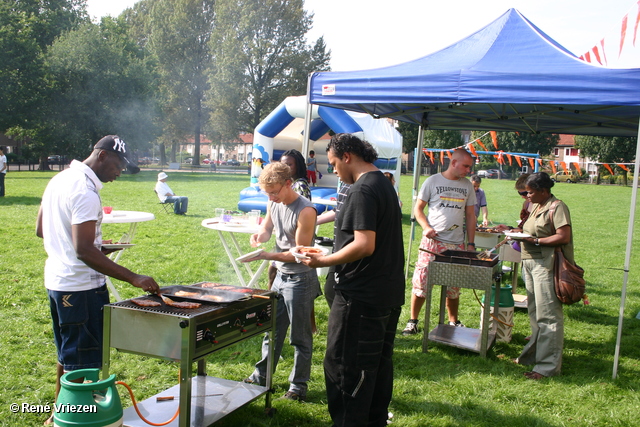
462, 276
122, 217
221, 229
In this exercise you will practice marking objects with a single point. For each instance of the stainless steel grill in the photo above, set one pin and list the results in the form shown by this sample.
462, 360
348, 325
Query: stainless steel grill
462, 269
186, 336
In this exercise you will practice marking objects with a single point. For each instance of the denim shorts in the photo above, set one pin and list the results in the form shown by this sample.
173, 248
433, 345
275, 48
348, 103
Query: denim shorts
77, 326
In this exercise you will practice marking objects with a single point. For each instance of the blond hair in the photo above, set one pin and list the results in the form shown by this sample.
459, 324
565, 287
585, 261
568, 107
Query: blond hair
274, 173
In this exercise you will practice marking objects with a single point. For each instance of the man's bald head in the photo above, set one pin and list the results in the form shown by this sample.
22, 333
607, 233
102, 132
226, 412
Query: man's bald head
461, 163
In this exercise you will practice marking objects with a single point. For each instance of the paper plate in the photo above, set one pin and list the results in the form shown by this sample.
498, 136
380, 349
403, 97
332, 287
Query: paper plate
117, 245
296, 251
249, 255
516, 235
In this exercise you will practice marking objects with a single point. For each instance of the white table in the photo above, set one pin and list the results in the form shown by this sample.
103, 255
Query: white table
231, 231
123, 217
321, 201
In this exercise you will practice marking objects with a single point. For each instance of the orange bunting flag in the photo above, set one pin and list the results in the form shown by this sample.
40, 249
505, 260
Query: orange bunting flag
494, 138
540, 162
604, 55
577, 166
623, 166
596, 54
433, 162
481, 144
510, 159
518, 160
623, 33
449, 154
564, 167
587, 57
473, 150
531, 163
608, 168
442, 158
553, 166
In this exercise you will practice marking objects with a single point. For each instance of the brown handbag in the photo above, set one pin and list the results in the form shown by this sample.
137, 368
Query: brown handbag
568, 277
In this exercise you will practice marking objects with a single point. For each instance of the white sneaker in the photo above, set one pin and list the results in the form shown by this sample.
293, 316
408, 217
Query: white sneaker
412, 328
457, 324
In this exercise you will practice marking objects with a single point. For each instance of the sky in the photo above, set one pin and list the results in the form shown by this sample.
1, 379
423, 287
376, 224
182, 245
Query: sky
362, 35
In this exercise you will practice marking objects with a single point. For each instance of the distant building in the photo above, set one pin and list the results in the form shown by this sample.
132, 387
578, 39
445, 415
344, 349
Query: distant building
240, 150
567, 152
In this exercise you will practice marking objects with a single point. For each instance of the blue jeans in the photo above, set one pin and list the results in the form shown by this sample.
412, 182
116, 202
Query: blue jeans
180, 203
295, 293
77, 326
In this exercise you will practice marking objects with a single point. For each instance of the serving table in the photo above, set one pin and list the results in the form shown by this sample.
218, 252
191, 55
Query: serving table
461, 269
123, 217
230, 230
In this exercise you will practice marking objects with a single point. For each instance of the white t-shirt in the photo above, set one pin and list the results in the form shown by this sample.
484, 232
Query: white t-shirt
162, 188
71, 197
447, 200
3, 163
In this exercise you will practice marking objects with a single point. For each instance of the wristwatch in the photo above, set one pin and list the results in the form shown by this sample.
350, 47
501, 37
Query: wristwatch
537, 242
472, 244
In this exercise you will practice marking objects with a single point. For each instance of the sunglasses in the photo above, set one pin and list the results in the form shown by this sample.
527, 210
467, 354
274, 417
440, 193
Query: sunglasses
523, 193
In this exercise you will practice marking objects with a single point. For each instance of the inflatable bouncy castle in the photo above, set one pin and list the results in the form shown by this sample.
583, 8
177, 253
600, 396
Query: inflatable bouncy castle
282, 130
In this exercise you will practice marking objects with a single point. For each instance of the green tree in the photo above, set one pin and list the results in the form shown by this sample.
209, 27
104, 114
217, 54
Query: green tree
178, 36
607, 149
261, 57
101, 85
27, 29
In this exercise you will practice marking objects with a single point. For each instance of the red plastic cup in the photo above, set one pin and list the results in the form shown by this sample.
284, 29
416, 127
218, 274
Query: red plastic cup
107, 209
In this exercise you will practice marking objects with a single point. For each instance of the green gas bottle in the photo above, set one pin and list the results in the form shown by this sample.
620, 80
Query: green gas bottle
93, 403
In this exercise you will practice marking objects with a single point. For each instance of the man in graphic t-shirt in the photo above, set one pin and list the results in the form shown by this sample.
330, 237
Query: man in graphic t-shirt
451, 200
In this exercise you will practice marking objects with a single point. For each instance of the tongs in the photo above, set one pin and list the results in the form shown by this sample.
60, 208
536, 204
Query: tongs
486, 254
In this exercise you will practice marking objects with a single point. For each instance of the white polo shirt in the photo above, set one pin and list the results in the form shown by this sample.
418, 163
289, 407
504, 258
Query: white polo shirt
71, 197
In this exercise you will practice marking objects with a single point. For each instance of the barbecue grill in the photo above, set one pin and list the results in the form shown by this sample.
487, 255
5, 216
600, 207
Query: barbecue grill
462, 269
186, 336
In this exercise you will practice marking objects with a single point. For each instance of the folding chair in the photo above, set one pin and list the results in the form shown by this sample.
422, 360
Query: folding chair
167, 206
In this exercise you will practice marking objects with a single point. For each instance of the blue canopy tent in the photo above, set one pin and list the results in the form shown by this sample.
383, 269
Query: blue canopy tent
508, 76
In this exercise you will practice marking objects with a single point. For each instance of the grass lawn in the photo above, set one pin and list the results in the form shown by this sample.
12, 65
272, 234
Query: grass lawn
445, 387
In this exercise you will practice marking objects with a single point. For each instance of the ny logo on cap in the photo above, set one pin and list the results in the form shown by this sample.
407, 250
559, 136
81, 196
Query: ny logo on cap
118, 145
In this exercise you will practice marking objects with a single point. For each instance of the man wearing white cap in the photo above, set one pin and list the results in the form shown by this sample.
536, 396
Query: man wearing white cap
166, 195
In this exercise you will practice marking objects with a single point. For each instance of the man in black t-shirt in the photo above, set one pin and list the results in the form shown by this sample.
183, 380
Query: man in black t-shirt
370, 288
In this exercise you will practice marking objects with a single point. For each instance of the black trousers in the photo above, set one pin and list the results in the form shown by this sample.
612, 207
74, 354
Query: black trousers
358, 365
2, 175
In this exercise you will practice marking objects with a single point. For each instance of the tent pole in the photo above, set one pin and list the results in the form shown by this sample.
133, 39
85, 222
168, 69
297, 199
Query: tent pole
307, 120
627, 257
417, 166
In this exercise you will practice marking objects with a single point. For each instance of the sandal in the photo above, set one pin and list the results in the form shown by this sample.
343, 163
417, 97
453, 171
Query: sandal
534, 375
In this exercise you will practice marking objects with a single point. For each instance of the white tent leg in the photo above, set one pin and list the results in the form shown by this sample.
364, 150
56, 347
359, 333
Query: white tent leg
417, 166
627, 257
307, 121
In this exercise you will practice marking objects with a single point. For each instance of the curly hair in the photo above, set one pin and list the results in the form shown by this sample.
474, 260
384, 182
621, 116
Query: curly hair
301, 165
347, 143
539, 181
475, 178
274, 173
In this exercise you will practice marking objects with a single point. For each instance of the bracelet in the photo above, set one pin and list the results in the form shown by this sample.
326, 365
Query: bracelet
472, 244
537, 242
